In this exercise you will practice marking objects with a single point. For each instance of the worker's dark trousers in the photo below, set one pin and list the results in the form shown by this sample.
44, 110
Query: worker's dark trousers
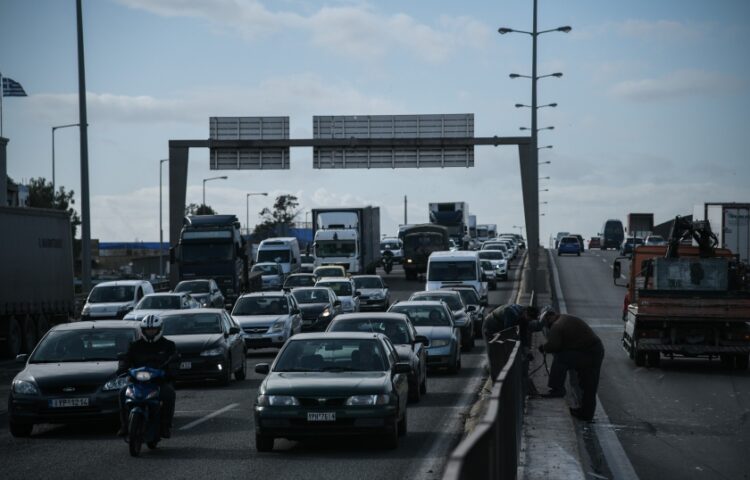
167, 396
587, 364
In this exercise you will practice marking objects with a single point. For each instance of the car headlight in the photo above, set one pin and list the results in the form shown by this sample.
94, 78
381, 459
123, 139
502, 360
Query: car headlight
408, 260
143, 376
115, 384
86, 310
359, 400
24, 387
204, 303
277, 326
326, 313
439, 343
211, 352
277, 401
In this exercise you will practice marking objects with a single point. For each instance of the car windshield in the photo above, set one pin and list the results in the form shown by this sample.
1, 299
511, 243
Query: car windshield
487, 265
328, 272
396, 330
469, 296
307, 259
332, 355
112, 294
424, 316
638, 241
195, 286
453, 301
276, 305
655, 239
495, 246
207, 252
198, 324
491, 255
300, 281
569, 240
452, 271
83, 345
311, 295
368, 282
159, 302
335, 248
389, 246
266, 269
278, 256
425, 240
342, 289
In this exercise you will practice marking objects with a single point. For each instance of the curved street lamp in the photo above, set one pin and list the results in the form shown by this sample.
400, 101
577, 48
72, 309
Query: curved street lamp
223, 177
247, 208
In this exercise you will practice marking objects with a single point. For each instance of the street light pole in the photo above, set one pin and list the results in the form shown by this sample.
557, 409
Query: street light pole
53, 153
82, 119
223, 177
161, 232
247, 208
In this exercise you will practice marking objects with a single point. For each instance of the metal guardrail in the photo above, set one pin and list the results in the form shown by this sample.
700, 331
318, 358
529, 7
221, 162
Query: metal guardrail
491, 450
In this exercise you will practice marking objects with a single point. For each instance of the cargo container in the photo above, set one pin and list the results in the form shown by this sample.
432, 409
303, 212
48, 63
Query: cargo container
730, 222
349, 237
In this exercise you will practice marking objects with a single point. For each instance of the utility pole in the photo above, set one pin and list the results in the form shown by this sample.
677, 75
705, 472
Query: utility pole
405, 216
82, 120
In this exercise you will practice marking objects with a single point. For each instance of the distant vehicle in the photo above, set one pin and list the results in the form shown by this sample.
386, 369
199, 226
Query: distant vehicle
395, 247
299, 280
308, 264
434, 320
629, 244
281, 250
267, 319
205, 292
156, 303
410, 346
318, 305
113, 300
449, 269
461, 312
349, 237
482, 233
654, 240
559, 236
495, 245
210, 344
345, 291
373, 292
419, 242
490, 273
471, 299
455, 217
580, 241
612, 234
73, 354
729, 222
330, 271
498, 261
272, 275
594, 242
569, 245
362, 369
640, 224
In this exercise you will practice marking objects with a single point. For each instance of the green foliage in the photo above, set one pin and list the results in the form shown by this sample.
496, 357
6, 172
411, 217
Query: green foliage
42, 196
277, 220
195, 209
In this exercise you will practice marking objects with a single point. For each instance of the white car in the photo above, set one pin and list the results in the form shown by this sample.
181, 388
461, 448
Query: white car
344, 289
498, 261
113, 300
656, 240
156, 303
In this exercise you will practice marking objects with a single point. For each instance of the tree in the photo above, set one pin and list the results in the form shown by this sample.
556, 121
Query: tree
195, 209
279, 219
42, 196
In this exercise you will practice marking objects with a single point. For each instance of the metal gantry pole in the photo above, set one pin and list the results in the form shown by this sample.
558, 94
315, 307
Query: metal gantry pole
85, 207
161, 231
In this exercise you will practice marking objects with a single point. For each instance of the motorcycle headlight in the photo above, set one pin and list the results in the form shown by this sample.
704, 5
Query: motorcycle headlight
115, 384
277, 401
277, 326
211, 352
143, 376
364, 400
25, 387
439, 343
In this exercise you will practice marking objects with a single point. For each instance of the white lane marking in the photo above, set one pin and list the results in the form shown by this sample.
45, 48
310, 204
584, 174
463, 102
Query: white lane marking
617, 460
604, 260
210, 416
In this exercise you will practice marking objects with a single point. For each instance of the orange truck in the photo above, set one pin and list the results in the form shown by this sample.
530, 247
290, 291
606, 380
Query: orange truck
687, 301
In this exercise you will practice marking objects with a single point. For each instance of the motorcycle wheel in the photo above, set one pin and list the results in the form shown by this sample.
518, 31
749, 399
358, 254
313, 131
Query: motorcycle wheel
135, 434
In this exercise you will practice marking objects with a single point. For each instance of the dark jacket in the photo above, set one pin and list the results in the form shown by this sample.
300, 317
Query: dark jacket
160, 354
570, 333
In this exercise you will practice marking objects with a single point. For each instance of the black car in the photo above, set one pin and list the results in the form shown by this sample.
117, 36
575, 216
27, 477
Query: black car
318, 305
396, 326
206, 292
71, 376
299, 280
461, 312
209, 342
470, 298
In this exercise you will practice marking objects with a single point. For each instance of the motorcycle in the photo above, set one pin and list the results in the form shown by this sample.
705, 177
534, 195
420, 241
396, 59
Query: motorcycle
387, 261
144, 406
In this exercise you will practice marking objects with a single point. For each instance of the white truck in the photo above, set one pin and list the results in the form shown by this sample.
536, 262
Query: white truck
731, 224
455, 217
349, 237
483, 233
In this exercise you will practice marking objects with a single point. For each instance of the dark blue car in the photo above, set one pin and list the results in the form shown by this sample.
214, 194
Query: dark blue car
569, 245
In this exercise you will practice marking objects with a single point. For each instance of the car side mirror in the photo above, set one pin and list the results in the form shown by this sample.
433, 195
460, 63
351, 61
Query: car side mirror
616, 269
234, 330
337, 303
262, 368
471, 308
357, 293
484, 276
401, 367
295, 311
422, 339
483, 302
22, 358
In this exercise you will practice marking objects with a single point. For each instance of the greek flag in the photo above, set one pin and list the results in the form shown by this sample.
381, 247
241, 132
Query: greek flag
11, 88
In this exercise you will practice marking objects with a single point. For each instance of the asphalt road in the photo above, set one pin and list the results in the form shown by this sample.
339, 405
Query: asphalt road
688, 419
222, 446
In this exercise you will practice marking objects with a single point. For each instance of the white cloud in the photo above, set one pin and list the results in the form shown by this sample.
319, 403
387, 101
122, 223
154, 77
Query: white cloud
661, 29
681, 83
352, 30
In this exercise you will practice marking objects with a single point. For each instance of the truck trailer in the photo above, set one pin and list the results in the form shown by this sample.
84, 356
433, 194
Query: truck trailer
731, 224
419, 242
349, 237
640, 225
37, 284
455, 217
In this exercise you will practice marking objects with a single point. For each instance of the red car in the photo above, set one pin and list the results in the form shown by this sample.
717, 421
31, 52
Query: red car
595, 242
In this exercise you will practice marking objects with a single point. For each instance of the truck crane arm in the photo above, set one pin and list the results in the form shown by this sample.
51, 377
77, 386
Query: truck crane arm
700, 231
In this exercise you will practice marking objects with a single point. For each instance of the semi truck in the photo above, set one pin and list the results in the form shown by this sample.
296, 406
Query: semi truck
455, 217
473, 231
731, 224
687, 300
211, 246
483, 233
349, 237
419, 242
640, 225
36, 284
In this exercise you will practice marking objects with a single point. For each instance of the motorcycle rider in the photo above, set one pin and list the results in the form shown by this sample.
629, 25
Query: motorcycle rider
154, 351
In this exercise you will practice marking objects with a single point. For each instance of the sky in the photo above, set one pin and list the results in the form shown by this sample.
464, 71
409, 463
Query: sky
652, 106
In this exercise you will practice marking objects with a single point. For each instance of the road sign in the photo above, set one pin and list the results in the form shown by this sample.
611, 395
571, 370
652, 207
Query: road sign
249, 128
409, 128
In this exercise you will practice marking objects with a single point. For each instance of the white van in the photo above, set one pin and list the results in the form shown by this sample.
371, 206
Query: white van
449, 269
281, 250
113, 300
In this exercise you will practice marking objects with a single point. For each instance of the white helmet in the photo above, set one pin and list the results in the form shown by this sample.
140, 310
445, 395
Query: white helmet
151, 322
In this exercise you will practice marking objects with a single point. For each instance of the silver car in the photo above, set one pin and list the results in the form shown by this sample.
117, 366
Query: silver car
344, 289
272, 275
156, 303
267, 319
373, 292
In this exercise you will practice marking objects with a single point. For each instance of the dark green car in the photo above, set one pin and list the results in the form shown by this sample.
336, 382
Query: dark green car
343, 383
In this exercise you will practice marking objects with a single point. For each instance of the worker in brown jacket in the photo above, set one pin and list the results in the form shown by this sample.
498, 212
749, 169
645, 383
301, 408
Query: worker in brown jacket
575, 347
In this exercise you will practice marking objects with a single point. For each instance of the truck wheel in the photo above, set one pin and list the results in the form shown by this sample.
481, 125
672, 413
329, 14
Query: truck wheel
28, 337
742, 361
640, 357
11, 330
653, 359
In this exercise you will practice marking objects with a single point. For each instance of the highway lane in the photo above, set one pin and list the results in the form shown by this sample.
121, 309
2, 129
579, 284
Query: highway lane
688, 419
223, 446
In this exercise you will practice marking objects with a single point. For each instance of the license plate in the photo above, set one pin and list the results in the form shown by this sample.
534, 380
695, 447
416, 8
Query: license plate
69, 402
186, 365
321, 417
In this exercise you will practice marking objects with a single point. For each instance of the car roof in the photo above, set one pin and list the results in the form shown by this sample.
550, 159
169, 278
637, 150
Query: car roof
301, 275
441, 291
192, 311
85, 325
341, 335
167, 294
354, 277
195, 280
333, 279
121, 283
372, 316
421, 303
459, 255
278, 293
265, 263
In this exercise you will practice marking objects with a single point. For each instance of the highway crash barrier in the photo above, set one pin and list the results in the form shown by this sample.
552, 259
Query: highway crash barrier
492, 449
